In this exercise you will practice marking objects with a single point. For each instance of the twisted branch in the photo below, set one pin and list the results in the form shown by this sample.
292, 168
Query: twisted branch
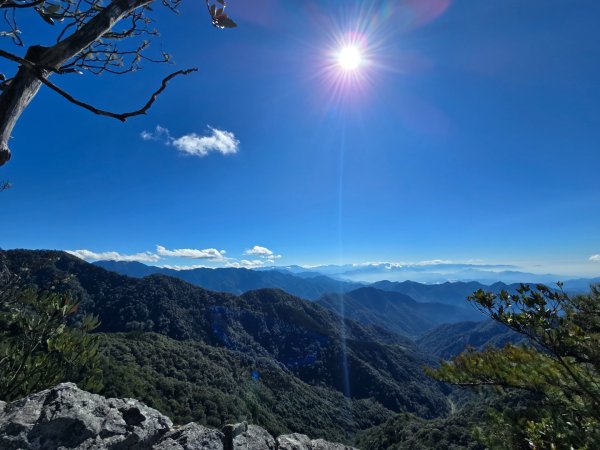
119, 116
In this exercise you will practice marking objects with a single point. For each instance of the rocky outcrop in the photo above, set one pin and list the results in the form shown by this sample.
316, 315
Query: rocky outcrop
247, 437
191, 437
66, 417
298, 441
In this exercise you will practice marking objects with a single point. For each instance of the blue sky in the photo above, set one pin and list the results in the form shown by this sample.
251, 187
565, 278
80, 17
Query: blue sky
470, 132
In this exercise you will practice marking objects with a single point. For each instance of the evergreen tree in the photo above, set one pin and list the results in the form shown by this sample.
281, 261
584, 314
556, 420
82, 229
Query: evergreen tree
40, 348
557, 373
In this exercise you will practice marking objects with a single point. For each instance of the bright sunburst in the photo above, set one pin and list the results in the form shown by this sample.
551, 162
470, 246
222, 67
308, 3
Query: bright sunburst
355, 50
349, 58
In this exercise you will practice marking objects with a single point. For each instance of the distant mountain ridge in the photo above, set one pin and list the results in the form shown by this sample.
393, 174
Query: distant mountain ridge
436, 272
449, 293
239, 280
456, 293
312, 284
395, 311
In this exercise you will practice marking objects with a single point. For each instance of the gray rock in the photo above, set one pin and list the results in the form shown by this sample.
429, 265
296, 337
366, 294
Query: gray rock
254, 438
294, 441
320, 444
297, 441
191, 437
230, 431
69, 418
234, 429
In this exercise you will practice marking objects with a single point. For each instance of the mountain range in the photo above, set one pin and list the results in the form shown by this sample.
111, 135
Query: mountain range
457, 292
347, 365
317, 281
407, 308
383, 306
436, 272
265, 355
236, 281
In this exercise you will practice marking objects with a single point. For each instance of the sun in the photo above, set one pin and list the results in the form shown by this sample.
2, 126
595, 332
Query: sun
349, 58
347, 67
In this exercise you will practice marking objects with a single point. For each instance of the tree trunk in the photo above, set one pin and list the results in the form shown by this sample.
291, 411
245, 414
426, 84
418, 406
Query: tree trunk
13, 101
26, 84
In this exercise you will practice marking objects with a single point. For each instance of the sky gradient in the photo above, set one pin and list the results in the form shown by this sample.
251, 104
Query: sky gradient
471, 133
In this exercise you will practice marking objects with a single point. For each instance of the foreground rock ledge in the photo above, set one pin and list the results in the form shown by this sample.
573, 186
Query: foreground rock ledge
65, 417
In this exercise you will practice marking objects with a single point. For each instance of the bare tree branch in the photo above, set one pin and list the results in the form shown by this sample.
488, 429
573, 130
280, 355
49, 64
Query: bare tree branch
17, 4
89, 33
36, 67
14, 58
119, 116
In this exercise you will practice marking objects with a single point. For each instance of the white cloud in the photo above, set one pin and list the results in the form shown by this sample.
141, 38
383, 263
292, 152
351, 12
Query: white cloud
257, 257
434, 262
258, 250
431, 262
89, 255
159, 134
220, 141
247, 264
595, 258
262, 252
195, 266
215, 140
192, 253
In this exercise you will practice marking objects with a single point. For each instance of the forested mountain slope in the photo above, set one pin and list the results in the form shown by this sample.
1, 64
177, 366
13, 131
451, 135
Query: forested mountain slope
449, 340
395, 311
192, 381
302, 338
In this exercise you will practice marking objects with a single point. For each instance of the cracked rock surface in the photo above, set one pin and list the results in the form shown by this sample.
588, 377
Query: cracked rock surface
67, 418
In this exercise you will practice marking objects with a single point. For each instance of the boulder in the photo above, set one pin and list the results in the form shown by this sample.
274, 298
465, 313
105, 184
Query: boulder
294, 441
67, 418
254, 438
321, 444
191, 437
298, 441
231, 431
